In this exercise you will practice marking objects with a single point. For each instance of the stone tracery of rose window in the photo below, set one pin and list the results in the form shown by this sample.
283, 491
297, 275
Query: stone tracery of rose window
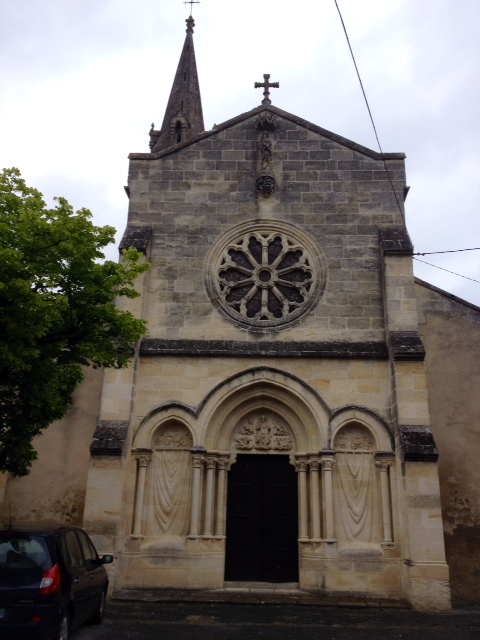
265, 277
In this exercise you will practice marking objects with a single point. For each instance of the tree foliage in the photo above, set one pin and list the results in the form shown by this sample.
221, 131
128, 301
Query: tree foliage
57, 312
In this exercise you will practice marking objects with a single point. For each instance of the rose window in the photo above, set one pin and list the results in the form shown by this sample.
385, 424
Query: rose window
264, 274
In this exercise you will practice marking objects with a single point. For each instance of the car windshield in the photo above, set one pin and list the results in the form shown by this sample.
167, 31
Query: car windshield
23, 551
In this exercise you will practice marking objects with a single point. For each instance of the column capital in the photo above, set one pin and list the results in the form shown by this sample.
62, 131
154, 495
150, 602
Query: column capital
211, 460
327, 464
143, 457
301, 462
223, 461
383, 465
198, 460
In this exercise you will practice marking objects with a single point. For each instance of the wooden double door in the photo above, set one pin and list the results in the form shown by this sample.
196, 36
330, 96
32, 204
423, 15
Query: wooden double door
262, 520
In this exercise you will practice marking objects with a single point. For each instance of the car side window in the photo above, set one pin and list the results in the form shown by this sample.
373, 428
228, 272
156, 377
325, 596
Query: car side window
73, 553
88, 549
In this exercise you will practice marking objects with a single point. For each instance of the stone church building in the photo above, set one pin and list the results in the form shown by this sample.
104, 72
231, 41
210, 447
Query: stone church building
303, 411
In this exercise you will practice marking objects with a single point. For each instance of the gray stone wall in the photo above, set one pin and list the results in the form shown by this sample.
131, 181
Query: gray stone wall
450, 329
337, 194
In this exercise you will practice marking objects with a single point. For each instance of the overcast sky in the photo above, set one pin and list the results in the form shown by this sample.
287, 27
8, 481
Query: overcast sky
82, 80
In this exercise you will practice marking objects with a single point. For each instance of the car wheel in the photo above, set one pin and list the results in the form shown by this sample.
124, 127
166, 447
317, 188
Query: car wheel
63, 631
99, 614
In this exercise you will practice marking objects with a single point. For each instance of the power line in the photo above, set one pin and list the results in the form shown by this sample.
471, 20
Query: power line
431, 253
369, 112
386, 167
447, 270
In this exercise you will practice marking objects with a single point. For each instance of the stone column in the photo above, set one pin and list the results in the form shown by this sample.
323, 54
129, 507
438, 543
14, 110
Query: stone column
211, 464
383, 466
222, 468
327, 472
315, 497
143, 460
302, 469
198, 460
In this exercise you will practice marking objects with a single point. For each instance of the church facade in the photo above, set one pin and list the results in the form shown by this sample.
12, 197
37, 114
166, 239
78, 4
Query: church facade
277, 424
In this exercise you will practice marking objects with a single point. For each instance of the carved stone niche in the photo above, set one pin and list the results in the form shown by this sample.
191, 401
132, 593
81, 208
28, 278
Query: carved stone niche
266, 121
172, 437
263, 431
354, 438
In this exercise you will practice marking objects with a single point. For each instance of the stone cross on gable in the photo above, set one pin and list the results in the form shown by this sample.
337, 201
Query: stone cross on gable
267, 85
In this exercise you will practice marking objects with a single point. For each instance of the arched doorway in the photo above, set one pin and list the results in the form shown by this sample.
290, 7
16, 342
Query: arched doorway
262, 502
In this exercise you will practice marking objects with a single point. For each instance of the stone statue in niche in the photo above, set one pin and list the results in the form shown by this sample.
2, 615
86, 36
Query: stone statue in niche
263, 432
266, 150
265, 181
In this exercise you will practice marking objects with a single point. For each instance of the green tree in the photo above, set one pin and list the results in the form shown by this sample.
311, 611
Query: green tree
57, 312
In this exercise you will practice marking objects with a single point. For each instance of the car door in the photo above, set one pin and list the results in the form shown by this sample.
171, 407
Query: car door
75, 564
94, 568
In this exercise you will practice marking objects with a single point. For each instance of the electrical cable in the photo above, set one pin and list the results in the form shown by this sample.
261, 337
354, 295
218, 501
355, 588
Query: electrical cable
447, 270
431, 253
385, 163
369, 111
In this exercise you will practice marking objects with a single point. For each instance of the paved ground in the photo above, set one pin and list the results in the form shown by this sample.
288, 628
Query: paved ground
129, 620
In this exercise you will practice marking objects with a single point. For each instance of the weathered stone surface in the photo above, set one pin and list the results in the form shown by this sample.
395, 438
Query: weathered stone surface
109, 438
136, 237
396, 241
418, 444
407, 345
156, 347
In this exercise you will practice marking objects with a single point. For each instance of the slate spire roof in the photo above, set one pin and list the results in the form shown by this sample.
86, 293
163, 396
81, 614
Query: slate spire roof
183, 116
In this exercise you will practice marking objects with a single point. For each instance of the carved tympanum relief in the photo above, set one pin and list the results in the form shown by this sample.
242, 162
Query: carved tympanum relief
169, 482
357, 500
263, 431
267, 274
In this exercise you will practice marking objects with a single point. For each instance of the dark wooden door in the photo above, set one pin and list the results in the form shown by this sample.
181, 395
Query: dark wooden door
262, 520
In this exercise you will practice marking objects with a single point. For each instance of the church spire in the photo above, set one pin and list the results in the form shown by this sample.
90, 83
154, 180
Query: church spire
183, 116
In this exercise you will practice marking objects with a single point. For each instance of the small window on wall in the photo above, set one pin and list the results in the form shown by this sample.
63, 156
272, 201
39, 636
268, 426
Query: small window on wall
178, 131
358, 501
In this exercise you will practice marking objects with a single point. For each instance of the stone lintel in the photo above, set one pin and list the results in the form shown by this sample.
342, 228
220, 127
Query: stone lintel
396, 242
136, 237
418, 444
234, 349
406, 345
109, 438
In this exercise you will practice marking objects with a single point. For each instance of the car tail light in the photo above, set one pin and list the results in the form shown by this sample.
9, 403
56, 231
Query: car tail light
50, 581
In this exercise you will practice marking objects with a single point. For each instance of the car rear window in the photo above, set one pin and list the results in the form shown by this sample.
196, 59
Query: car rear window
21, 551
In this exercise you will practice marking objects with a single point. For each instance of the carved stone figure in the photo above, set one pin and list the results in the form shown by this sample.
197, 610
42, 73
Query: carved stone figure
265, 184
263, 432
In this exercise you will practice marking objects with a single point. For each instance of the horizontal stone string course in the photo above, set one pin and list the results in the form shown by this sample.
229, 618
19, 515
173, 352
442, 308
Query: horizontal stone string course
232, 348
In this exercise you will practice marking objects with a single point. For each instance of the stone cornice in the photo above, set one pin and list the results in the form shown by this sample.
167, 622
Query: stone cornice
234, 349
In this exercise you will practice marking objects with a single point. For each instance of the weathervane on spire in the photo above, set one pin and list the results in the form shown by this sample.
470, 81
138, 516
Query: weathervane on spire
191, 3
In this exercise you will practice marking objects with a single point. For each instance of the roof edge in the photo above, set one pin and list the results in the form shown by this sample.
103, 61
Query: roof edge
446, 294
284, 114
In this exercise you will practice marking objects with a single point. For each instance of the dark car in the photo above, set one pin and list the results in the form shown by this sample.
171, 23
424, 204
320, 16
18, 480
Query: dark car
51, 580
